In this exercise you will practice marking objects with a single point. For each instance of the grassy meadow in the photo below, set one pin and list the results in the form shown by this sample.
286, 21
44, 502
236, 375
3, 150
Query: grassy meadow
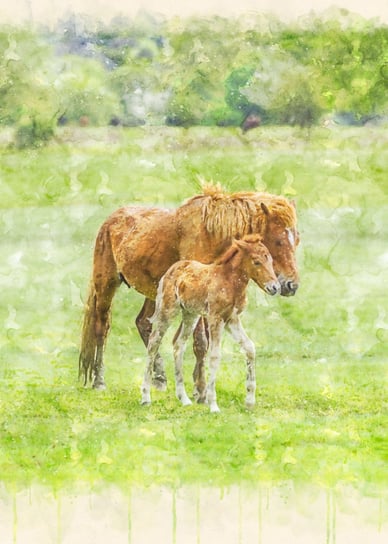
321, 413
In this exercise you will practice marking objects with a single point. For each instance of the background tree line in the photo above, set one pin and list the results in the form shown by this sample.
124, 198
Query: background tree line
195, 71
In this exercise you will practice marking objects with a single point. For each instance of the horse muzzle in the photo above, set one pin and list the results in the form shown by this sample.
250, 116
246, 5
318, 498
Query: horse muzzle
272, 288
288, 288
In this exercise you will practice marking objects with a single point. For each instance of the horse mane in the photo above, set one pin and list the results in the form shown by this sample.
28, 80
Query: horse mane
227, 215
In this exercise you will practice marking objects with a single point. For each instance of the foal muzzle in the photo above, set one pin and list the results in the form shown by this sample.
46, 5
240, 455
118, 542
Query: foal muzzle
272, 288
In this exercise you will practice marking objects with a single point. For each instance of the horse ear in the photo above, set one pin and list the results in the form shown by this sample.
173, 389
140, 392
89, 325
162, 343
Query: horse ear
293, 203
264, 208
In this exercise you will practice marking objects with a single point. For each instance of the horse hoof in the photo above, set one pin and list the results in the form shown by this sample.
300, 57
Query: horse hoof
99, 386
200, 398
146, 403
159, 385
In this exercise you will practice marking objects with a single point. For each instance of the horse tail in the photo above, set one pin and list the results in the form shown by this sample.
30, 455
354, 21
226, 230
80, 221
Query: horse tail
97, 314
87, 357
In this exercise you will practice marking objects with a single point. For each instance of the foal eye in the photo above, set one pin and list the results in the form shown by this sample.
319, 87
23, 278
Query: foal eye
279, 242
257, 263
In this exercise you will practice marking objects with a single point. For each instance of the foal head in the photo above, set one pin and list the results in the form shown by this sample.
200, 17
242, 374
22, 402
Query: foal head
258, 264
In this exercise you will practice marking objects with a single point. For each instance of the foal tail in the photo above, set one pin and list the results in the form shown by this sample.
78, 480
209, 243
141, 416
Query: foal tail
158, 301
88, 351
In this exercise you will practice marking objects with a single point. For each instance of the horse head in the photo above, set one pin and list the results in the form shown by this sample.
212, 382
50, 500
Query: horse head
282, 238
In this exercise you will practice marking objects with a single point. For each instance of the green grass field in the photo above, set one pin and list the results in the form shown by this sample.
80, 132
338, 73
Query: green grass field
321, 413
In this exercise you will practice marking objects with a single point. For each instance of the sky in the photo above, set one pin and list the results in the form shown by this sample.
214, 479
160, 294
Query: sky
50, 10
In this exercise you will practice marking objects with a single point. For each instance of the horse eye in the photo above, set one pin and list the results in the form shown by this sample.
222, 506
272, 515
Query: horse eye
279, 242
257, 263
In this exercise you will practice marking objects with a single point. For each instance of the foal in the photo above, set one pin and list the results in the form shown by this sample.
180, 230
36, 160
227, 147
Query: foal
216, 291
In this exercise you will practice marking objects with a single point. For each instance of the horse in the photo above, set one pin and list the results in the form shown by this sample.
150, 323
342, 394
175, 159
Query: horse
251, 121
216, 291
136, 245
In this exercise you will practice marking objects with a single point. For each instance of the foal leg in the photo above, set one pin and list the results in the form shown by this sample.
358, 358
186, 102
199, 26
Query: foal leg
215, 332
154, 341
240, 336
180, 340
144, 326
200, 347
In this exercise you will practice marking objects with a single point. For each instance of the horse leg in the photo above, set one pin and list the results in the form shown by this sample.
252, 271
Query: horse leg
179, 344
215, 332
200, 347
104, 296
144, 326
240, 336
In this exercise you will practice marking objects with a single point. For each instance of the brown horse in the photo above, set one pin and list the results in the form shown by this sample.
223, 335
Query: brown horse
136, 245
216, 291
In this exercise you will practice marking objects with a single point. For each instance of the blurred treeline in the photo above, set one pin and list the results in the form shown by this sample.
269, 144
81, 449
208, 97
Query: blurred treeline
196, 71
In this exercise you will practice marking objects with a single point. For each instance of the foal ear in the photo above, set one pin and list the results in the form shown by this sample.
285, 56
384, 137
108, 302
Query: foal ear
264, 208
293, 203
242, 244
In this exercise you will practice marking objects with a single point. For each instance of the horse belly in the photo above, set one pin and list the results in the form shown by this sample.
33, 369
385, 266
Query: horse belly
143, 272
144, 247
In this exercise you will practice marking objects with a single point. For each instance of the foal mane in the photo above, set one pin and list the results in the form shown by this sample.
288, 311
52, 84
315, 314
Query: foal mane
227, 215
227, 255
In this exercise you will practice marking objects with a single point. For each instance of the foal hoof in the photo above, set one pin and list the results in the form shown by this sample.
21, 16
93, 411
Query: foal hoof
160, 383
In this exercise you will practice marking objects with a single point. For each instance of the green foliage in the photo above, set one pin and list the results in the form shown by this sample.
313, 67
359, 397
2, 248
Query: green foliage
34, 132
179, 112
82, 91
295, 103
234, 98
186, 72
26, 77
223, 116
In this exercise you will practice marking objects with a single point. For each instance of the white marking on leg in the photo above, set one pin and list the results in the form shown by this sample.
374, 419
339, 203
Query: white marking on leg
215, 331
240, 336
146, 386
185, 331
